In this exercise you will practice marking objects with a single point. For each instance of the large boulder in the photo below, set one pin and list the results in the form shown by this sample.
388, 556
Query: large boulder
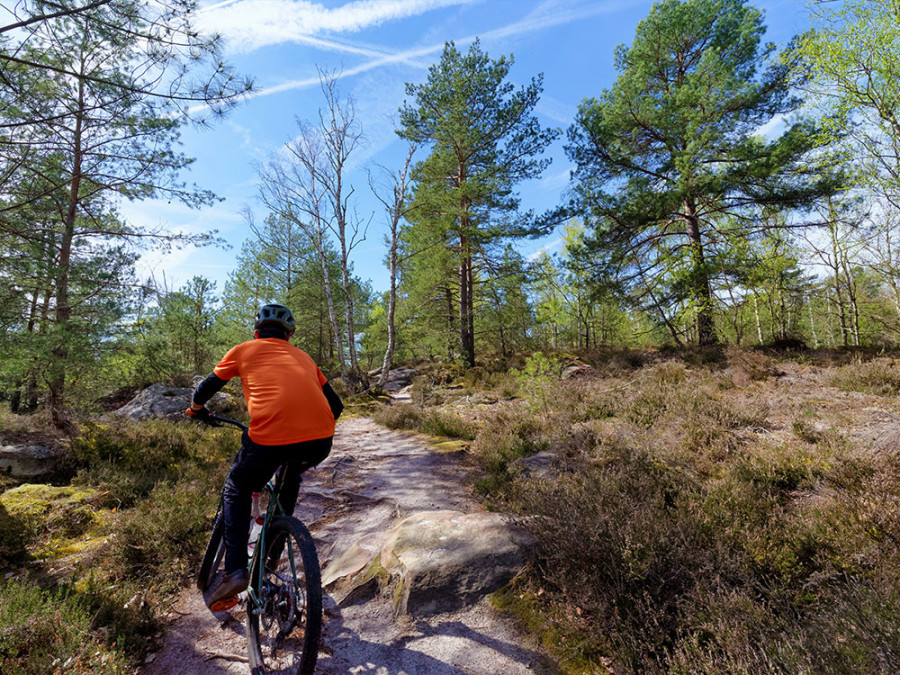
441, 561
577, 370
157, 401
28, 461
397, 379
433, 561
161, 401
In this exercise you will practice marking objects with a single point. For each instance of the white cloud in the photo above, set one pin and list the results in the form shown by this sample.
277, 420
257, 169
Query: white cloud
549, 247
562, 113
773, 128
248, 25
557, 180
175, 265
545, 17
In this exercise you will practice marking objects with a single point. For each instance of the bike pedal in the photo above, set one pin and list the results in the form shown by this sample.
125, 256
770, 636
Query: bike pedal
224, 604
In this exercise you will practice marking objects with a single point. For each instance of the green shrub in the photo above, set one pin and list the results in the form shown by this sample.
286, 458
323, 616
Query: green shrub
880, 376
443, 423
128, 460
537, 380
45, 631
399, 416
165, 535
431, 421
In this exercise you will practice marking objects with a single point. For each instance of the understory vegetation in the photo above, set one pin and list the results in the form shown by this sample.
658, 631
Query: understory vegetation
718, 511
709, 511
705, 518
91, 564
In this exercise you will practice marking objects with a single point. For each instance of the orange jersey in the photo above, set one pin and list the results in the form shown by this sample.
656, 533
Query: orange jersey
283, 389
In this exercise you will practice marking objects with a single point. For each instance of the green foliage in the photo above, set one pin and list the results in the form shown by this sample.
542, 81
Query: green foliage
668, 543
673, 146
484, 136
280, 264
536, 380
174, 334
44, 631
849, 59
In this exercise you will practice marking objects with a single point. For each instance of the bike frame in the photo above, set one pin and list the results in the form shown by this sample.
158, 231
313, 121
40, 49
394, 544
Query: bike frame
273, 510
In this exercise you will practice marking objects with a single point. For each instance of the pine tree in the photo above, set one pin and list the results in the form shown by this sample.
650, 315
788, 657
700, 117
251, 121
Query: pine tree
676, 143
484, 139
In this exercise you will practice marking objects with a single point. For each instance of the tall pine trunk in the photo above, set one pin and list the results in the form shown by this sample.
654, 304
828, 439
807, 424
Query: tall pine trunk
702, 294
57, 378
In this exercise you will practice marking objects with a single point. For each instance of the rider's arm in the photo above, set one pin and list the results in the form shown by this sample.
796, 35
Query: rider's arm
334, 401
206, 390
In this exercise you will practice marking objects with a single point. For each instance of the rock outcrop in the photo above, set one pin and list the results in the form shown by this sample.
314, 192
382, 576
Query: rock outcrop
160, 401
397, 379
542, 466
433, 561
28, 461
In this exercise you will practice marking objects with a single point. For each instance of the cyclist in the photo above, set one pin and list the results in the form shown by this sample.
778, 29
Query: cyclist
292, 417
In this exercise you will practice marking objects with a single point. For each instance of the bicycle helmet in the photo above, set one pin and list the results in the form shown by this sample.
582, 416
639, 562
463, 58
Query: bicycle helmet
274, 315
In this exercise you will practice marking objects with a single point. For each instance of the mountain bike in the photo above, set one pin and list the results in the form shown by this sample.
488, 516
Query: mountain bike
284, 598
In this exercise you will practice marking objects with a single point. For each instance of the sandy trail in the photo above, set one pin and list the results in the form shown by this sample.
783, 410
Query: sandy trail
372, 478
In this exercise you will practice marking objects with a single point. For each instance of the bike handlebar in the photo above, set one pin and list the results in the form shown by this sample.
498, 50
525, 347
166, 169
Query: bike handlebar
218, 421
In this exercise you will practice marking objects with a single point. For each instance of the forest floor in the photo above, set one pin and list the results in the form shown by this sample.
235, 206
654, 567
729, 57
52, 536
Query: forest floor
373, 477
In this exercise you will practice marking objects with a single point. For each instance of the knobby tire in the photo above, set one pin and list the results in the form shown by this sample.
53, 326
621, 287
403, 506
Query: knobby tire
214, 555
284, 636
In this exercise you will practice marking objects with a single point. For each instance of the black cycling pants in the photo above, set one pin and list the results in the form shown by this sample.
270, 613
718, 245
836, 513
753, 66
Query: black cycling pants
254, 466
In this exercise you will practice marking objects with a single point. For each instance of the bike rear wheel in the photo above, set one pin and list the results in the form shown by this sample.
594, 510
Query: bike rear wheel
283, 631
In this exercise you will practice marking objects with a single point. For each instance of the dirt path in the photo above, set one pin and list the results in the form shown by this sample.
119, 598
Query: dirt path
372, 478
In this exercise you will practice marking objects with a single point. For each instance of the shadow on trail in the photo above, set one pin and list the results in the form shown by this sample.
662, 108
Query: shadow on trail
458, 629
463, 651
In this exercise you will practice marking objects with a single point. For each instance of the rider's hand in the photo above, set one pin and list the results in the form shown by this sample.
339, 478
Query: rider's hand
202, 414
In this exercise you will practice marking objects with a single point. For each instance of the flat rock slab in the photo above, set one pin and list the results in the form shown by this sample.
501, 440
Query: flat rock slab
446, 560
28, 461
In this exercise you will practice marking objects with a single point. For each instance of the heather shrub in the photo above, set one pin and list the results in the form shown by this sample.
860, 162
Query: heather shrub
683, 536
56, 630
512, 433
399, 416
128, 460
879, 376
444, 423
163, 537
431, 421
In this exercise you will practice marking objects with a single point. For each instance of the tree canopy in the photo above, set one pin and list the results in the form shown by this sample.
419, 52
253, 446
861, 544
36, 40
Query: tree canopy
679, 141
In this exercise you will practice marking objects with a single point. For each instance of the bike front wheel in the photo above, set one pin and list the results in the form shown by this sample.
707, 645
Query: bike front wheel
215, 553
284, 618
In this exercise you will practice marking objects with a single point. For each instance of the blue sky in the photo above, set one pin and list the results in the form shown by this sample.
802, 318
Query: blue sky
379, 45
